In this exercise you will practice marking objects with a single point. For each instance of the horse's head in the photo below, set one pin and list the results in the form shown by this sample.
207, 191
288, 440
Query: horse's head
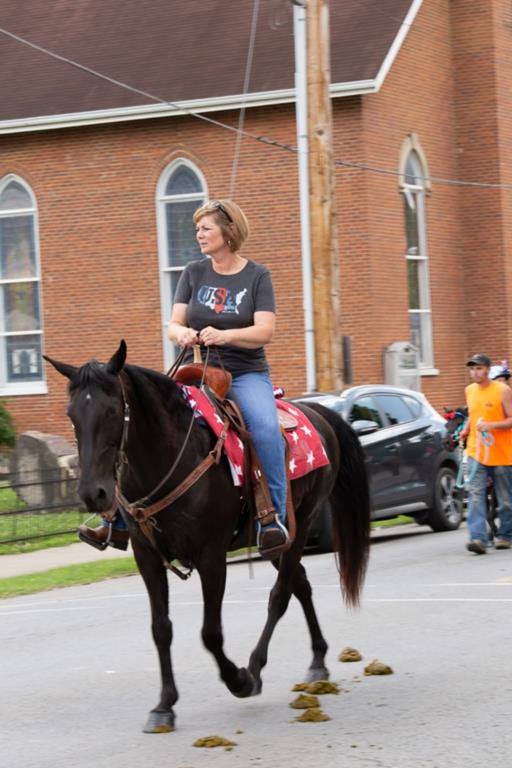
97, 411
455, 419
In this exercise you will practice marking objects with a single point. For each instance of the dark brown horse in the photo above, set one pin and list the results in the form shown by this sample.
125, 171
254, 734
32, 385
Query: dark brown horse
130, 424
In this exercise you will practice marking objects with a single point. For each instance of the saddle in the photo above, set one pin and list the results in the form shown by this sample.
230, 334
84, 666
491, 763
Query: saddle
217, 380
216, 383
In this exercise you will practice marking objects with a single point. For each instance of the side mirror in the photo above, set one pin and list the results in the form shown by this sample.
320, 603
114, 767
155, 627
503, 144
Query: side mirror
364, 427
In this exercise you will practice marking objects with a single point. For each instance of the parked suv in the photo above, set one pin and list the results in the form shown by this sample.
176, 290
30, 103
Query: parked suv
409, 470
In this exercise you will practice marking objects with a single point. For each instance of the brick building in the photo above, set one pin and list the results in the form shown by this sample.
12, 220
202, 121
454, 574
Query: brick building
98, 182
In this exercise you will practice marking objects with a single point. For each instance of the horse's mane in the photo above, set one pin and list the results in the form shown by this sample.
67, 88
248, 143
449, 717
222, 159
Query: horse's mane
92, 374
147, 385
161, 391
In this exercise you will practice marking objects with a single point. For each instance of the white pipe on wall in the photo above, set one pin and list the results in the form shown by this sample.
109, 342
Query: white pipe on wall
301, 116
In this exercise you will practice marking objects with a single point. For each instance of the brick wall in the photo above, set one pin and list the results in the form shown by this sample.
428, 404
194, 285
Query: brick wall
418, 98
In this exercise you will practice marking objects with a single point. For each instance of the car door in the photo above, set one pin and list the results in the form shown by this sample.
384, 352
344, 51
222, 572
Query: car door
415, 438
381, 451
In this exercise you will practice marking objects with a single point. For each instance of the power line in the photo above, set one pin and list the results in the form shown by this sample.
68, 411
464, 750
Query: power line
247, 76
262, 139
431, 179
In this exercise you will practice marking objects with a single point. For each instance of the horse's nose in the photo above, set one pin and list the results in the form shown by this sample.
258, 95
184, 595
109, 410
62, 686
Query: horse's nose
95, 497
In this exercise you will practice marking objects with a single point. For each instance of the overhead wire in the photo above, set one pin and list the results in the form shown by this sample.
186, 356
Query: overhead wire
242, 132
245, 88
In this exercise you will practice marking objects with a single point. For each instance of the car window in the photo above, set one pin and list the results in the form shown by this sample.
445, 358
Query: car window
395, 408
414, 406
365, 408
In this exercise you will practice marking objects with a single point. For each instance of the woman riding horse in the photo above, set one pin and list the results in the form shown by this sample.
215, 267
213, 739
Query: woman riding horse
227, 301
140, 446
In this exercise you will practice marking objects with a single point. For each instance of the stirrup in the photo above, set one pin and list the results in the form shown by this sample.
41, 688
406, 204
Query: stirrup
101, 545
271, 553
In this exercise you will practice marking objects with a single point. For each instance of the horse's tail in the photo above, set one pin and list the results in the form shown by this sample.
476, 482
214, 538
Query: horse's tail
350, 508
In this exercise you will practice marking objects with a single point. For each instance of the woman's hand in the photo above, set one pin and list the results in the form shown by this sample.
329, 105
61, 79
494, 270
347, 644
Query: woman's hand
187, 337
213, 337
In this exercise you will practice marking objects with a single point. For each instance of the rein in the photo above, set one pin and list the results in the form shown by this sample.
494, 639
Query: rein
143, 509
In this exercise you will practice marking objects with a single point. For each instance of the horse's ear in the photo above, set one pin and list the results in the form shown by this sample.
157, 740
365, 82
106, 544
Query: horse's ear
117, 361
65, 369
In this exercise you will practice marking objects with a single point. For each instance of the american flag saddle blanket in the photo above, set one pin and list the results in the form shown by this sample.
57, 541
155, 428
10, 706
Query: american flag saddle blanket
306, 451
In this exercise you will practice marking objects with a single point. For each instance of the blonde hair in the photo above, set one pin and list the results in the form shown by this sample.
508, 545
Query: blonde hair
230, 218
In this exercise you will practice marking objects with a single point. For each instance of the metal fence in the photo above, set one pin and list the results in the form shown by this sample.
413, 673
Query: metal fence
38, 504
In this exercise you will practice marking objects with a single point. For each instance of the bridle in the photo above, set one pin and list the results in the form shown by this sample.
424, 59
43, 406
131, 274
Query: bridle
144, 509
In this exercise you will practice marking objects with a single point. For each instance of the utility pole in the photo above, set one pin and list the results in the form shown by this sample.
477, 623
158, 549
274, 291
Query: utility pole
324, 246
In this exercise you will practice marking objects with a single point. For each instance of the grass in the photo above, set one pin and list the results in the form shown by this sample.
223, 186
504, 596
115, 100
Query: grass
37, 530
67, 576
88, 573
400, 520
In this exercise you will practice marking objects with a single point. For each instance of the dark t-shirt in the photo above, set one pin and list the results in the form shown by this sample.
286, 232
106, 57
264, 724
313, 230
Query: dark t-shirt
226, 302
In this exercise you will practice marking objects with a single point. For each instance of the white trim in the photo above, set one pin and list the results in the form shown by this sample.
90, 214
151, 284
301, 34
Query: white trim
145, 111
428, 371
397, 43
8, 179
164, 270
24, 388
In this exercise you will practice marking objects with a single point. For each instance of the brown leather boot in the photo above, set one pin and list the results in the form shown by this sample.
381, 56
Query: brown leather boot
104, 536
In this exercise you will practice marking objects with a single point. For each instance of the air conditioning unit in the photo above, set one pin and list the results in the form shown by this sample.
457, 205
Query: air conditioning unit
401, 365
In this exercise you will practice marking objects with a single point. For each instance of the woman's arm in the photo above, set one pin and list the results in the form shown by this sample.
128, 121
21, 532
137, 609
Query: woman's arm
252, 337
177, 330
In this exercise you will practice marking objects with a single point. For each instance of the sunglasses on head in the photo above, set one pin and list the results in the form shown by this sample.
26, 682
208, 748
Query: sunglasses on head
219, 207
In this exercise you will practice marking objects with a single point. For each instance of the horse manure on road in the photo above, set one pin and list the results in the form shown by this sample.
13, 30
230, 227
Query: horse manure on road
349, 654
323, 686
304, 702
318, 687
214, 741
312, 715
377, 667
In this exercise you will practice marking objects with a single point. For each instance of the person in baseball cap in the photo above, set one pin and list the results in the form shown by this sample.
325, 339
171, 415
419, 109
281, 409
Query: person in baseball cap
479, 359
489, 452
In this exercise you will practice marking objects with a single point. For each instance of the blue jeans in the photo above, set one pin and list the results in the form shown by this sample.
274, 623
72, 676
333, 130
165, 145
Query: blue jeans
477, 500
255, 397
117, 522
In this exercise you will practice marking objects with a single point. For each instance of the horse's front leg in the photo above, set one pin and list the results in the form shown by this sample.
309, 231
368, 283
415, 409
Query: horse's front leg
212, 572
161, 718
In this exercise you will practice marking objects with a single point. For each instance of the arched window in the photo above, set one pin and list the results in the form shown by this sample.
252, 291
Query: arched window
181, 190
414, 183
21, 370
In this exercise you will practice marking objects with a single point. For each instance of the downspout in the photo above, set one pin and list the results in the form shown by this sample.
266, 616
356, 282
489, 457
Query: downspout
301, 118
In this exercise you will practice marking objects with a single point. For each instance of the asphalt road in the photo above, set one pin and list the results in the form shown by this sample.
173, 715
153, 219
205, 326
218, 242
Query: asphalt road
79, 671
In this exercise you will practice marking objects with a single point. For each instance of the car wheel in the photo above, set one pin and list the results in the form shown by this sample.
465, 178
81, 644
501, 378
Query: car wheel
325, 535
447, 510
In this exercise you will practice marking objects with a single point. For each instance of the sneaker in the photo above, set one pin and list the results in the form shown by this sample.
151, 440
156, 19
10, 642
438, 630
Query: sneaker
502, 544
476, 546
272, 540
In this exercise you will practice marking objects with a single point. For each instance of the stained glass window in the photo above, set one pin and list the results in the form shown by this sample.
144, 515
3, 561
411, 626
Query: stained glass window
20, 306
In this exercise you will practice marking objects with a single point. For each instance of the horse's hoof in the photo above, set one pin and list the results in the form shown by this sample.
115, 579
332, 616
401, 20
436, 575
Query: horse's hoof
247, 685
159, 722
317, 673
